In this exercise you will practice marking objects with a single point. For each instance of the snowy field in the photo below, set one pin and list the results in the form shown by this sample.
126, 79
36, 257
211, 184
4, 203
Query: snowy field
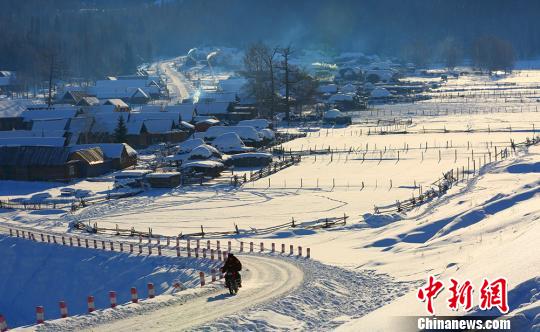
366, 272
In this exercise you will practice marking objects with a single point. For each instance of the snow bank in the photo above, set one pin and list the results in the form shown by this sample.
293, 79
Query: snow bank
35, 274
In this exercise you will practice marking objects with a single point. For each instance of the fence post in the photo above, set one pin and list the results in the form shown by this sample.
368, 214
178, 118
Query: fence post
86, 243
40, 315
112, 299
229, 246
300, 251
262, 246
241, 246
308, 252
291, 249
177, 251
212, 254
63, 309
213, 275
204, 252
201, 277
3, 324
90, 303
159, 250
151, 290
283, 248
134, 295
251, 247
112, 246
273, 247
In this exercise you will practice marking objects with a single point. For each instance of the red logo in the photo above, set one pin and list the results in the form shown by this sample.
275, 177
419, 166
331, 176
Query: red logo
492, 294
430, 292
461, 295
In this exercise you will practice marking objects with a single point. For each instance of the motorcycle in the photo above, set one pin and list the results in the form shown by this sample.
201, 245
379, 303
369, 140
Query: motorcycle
232, 282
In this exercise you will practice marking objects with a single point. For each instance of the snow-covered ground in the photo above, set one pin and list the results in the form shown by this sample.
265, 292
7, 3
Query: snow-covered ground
365, 272
36, 274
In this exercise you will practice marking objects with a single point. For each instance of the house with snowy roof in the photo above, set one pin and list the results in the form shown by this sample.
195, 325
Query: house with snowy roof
50, 163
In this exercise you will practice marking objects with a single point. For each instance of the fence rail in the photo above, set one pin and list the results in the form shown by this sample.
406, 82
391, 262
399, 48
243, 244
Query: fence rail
443, 184
293, 224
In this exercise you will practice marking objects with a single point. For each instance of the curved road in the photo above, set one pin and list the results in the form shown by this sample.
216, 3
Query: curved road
264, 278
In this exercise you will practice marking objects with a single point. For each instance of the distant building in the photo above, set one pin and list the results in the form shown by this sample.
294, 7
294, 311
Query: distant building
48, 163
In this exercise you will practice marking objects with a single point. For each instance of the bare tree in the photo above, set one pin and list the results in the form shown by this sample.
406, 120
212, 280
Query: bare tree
259, 69
286, 54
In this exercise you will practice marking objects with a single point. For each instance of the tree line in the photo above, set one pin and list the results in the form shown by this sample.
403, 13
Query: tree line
90, 39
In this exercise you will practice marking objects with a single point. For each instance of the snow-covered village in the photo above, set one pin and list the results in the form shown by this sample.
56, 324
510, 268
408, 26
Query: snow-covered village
324, 165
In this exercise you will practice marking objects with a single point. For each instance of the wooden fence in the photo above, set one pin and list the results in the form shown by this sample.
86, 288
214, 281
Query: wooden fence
132, 232
443, 184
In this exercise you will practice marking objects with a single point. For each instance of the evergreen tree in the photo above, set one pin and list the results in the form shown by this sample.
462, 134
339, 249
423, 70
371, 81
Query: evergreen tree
120, 132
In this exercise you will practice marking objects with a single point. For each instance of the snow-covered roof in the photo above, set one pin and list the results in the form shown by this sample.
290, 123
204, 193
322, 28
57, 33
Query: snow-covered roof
144, 116
80, 124
134, 127
158, 126
256, 123
333, 114
99, 109
215, 96
341, 97
64, 113
203, 152
348, 88
13, 107
245, 132
29, 133
232, 84
110, 150
379, 92
50, 124
189, 145
162, 175
116, 103
261, 155
327, 88
107, 122
139, 93
184, 111
212, 108
202, 164
33, 141
384, 74
187, 125
267, 134
230, 142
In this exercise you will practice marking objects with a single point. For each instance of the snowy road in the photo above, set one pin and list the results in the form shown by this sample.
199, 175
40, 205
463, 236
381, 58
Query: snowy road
263, 279
177, 82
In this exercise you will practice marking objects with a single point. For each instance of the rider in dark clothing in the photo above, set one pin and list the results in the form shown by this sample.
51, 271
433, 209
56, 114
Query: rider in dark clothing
233, 264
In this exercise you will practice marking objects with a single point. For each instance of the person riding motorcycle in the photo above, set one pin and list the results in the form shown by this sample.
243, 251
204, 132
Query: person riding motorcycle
233, 264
